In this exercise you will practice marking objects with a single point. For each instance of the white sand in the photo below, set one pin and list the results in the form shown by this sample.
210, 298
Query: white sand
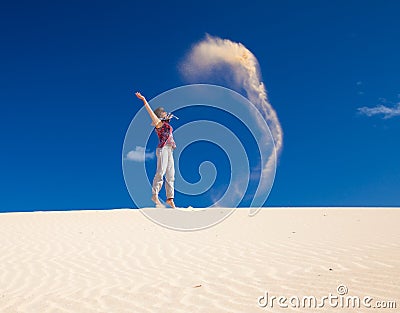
119, 261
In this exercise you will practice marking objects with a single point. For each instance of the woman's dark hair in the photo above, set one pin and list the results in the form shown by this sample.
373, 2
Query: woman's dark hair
158, 111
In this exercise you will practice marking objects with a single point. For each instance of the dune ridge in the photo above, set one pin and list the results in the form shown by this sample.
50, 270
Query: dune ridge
119, 261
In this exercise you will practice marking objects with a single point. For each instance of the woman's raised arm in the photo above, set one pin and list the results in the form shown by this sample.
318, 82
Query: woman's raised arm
156, 121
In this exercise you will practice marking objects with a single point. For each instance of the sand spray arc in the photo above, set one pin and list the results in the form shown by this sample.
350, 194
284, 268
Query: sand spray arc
213, 57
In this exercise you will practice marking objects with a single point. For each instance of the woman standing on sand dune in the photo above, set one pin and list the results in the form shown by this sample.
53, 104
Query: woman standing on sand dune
165, 159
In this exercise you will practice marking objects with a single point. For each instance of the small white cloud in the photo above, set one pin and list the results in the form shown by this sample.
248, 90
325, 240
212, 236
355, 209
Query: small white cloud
387, 112
359, 83
139, 155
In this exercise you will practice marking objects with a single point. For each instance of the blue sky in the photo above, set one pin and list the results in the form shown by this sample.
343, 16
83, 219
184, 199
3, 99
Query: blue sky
69, 70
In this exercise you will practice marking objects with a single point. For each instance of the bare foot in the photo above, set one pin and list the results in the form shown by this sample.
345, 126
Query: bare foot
170, 202
155, 199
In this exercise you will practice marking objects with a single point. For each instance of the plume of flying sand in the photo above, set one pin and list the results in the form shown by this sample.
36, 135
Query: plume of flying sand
212, 52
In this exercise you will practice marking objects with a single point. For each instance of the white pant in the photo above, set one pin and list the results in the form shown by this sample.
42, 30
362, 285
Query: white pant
165, 166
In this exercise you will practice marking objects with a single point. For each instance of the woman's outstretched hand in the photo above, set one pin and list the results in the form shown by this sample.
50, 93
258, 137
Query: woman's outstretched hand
140, 96
156, 121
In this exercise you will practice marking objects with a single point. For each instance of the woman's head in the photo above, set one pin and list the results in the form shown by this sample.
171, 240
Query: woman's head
160, 112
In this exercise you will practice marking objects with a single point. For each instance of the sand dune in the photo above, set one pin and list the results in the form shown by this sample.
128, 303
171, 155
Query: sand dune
119, 261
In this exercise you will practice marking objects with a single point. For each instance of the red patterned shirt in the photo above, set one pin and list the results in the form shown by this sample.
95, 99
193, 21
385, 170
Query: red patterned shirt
164, 134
